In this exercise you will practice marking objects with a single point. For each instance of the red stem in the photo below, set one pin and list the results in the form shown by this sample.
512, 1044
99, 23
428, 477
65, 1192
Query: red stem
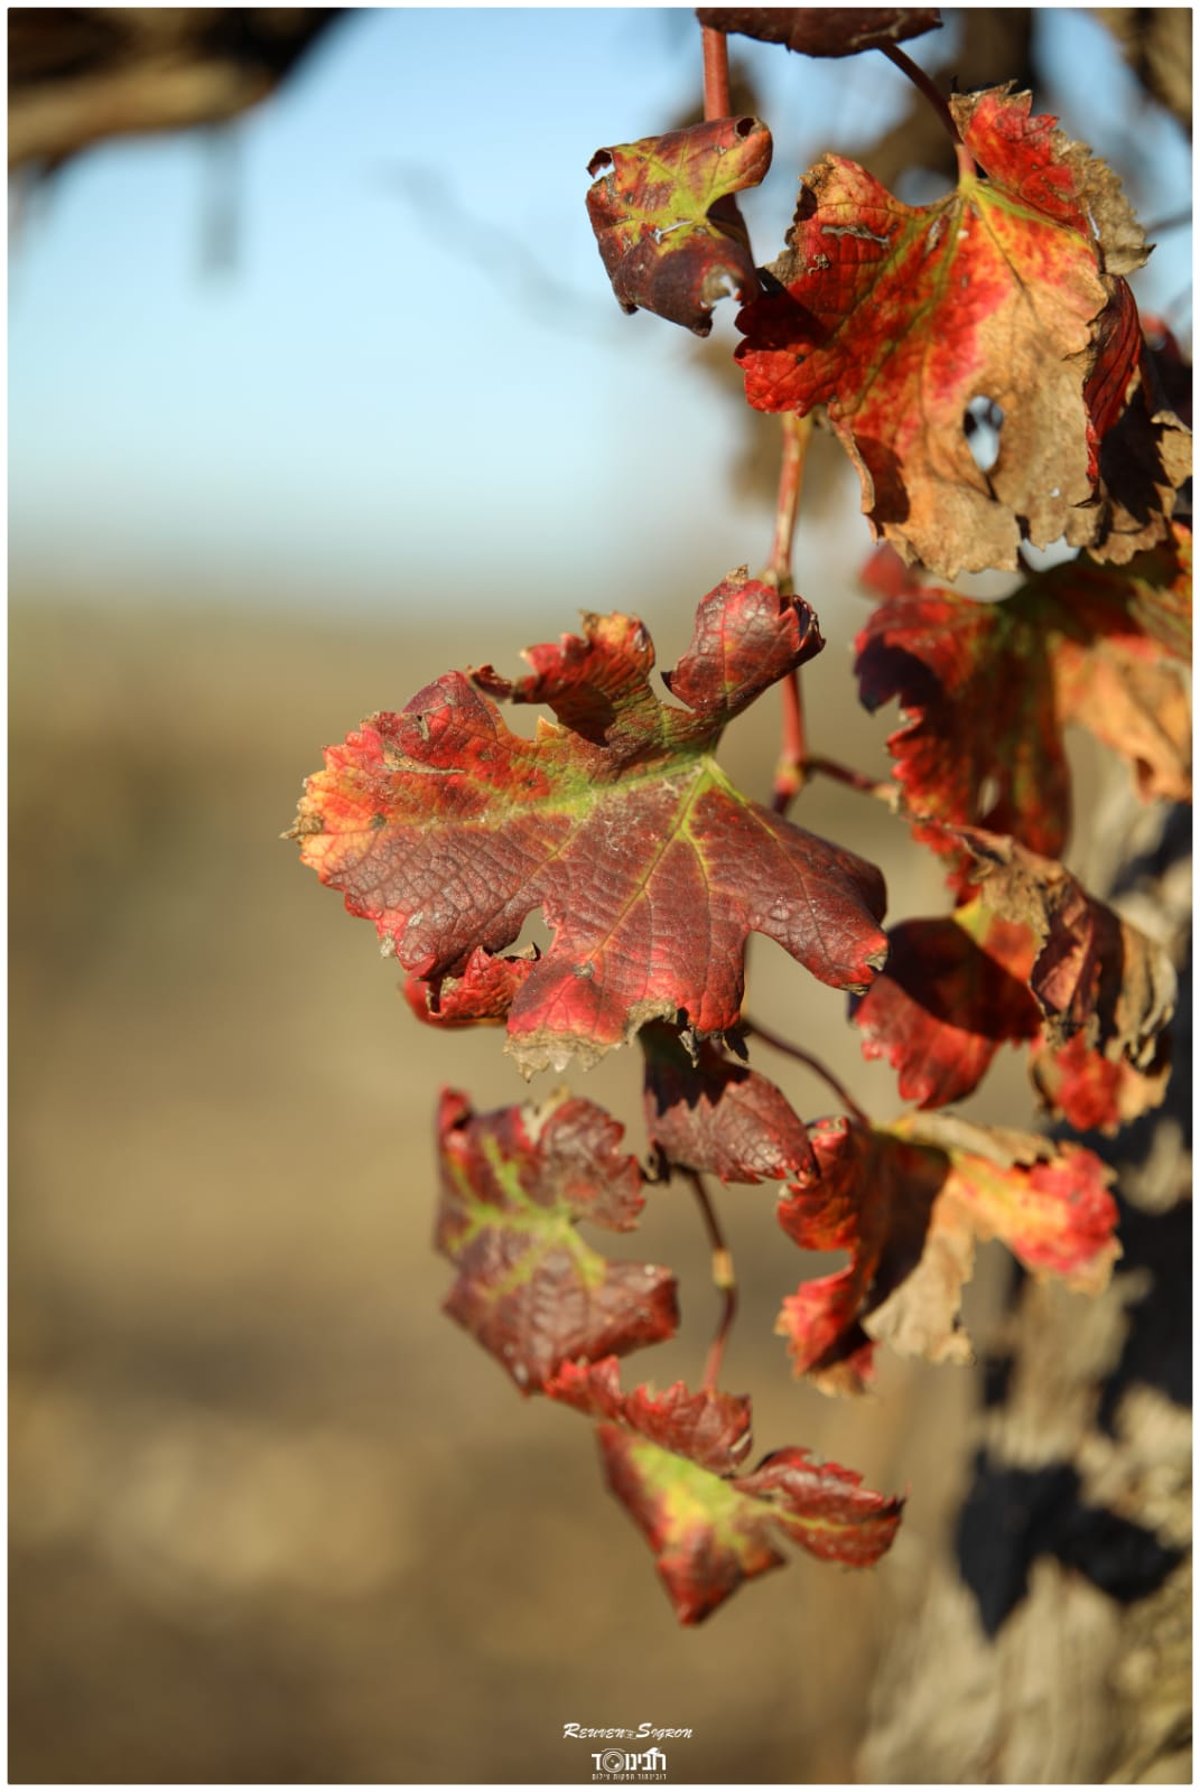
789, 772
796, 434
791, 768
780, 1044
920, 80
723, 1277
881, 789
717, 101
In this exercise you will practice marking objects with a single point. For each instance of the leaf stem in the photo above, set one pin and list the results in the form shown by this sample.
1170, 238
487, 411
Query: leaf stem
797, 433
789, 771
724, 1278
925, 85
780, 1044
791, 766
717, 101
882, 789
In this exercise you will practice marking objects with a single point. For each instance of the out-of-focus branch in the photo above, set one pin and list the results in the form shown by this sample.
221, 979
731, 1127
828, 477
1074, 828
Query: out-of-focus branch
996, 46
1156, 42
499, 256
78, 75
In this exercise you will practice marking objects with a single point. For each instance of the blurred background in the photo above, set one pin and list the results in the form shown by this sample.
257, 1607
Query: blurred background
304, 408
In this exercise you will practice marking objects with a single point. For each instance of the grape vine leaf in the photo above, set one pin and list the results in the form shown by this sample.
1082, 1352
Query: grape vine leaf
949, 997
714, 1115
670, 234
1093, 1092
514, 1185
1118, 353
710, 1428
1139, 448
986, 688
903, 320
824, 30
909, 1202
1095, 976
671, 1460
1167, 370
958, 986
446, 829
1147, 601
481, 996
976, 743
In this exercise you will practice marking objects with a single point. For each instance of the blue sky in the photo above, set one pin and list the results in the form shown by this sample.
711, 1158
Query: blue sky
415, 364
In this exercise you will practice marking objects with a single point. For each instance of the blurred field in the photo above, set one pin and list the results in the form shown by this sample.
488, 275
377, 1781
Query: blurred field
273, 1517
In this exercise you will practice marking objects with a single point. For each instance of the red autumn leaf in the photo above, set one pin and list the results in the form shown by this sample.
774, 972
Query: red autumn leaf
1166, 369
483, 994
1118, 352
824, 30
515, 1184
1095, 975
909, 1202
1139, 447
1148, 601
663, 211
977, 744
718, 1116
1112, 635
709, 1428
885, 575
903, 321
1095, 1093
955, 987
1135, 704
670, 1460
446, 829
824, 1508
986, 688
946, 1001
1105, 993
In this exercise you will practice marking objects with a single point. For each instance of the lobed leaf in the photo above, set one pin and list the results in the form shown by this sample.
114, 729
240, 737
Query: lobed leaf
980, 741
987, 687
1095, 975
713, 1115
907, 323
481, 996
947, 1001
824, 30
710, 1428
514, 1185
1093, 1092
909, 1202
1139, 447
446, 829
670, 235
671, 1460
956, 987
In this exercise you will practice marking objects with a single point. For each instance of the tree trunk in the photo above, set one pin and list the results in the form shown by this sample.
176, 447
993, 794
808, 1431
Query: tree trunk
1053, 1640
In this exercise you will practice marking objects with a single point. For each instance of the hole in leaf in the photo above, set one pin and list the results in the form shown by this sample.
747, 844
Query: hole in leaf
989, 794
983, 420
534, 932
744, 126
1042, 559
